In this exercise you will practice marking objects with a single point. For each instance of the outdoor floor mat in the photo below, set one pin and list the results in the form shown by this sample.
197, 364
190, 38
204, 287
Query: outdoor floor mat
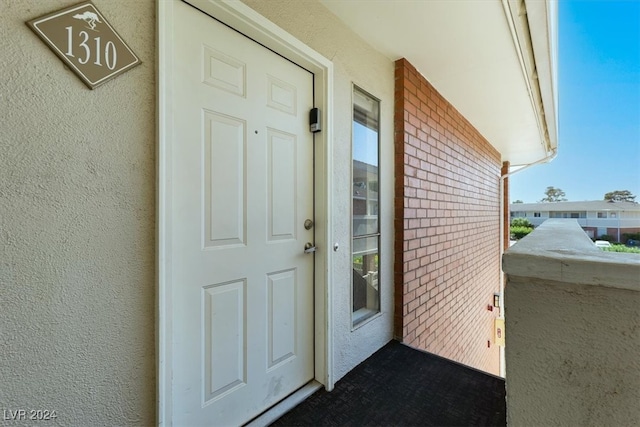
401, 386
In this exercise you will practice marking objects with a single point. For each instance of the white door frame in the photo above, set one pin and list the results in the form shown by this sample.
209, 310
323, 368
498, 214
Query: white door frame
244, 19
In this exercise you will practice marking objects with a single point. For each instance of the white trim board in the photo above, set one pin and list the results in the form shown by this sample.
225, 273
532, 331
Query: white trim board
245, 20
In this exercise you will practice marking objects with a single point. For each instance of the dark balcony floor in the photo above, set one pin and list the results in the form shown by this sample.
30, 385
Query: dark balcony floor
401, 386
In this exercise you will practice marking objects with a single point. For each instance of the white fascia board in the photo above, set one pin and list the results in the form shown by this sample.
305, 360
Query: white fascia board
543, 24
535, 36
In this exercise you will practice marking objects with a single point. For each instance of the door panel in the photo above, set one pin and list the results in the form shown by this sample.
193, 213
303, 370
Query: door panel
282, 169
224, 366
225, 180
242, 313
281, 324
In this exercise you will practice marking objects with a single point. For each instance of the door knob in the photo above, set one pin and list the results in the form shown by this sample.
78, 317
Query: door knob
309, 248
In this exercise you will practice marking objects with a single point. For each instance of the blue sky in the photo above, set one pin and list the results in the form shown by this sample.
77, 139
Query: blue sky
599, 105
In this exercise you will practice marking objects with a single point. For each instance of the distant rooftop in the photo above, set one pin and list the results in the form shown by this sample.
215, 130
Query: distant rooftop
595, 205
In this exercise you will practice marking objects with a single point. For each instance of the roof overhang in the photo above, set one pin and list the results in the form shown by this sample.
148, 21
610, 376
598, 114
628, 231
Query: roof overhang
494, 61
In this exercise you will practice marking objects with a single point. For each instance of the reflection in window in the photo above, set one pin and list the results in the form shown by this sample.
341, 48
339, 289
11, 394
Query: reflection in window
365, 212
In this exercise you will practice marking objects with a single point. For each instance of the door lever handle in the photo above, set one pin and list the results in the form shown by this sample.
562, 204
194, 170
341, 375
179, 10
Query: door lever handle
309, 248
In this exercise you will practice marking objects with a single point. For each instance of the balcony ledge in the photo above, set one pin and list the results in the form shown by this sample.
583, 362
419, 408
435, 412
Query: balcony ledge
572, 330
559, 250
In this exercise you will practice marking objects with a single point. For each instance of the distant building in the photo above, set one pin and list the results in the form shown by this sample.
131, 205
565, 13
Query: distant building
596, 218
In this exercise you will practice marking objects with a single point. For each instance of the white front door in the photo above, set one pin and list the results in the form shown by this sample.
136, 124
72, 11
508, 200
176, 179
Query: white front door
241, 190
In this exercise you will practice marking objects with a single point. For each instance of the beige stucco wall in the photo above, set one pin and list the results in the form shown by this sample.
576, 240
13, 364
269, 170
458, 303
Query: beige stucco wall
77, 208
572, 331
354, 62
77, 189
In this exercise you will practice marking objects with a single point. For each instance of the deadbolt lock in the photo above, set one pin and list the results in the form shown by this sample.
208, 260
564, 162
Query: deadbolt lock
308, 224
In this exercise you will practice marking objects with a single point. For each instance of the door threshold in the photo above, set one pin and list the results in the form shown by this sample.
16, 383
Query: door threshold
284, 406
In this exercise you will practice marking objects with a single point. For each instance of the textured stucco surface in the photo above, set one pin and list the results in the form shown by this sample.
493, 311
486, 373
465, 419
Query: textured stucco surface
355, 62
77, 208
572, 343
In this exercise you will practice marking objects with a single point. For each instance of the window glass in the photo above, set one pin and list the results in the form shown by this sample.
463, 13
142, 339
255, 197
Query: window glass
365, 206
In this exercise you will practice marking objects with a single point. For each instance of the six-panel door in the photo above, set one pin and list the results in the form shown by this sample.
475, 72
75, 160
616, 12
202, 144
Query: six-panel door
242, 303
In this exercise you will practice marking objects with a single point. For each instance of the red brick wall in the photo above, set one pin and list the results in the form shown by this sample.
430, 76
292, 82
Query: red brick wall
612, 231
592, 232
447, 221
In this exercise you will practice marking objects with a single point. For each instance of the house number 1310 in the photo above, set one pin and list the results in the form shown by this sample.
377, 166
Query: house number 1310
110, 54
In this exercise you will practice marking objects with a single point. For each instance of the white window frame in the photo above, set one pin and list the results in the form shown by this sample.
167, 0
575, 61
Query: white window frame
363, 316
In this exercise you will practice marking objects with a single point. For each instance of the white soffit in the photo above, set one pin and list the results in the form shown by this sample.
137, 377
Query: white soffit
467, 50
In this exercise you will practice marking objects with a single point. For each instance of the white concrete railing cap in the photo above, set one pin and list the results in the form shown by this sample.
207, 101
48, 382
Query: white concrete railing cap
559, 250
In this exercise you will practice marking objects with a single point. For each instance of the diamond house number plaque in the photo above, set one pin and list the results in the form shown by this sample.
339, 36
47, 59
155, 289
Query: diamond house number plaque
86, 42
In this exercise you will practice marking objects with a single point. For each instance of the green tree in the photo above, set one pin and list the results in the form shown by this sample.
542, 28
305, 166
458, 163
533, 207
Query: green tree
520, 227
518, 201
553, 195
619, 196
521, 222
518, 233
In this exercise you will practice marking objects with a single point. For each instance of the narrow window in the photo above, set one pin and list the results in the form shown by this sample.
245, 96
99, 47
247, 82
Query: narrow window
536, 214
365, 212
